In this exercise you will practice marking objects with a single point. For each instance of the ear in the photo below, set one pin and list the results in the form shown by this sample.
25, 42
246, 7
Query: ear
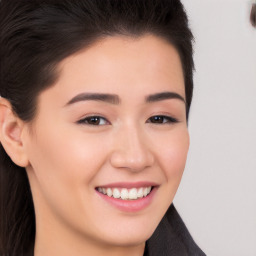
11, 128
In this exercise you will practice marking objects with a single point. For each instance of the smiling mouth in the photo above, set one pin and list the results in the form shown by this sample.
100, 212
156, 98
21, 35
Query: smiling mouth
125, 193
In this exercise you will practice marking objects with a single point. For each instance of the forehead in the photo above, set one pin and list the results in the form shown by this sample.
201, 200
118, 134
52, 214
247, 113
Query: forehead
122, 65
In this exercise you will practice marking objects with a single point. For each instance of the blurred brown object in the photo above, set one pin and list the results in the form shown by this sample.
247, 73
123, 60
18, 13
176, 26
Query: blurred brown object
253, 15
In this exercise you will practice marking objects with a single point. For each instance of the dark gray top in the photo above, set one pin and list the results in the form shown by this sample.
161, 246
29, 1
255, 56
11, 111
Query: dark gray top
172, 238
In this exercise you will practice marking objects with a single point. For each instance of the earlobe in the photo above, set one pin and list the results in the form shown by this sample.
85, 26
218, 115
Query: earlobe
11, 128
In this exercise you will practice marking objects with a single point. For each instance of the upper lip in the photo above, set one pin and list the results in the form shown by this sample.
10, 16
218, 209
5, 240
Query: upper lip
138, 184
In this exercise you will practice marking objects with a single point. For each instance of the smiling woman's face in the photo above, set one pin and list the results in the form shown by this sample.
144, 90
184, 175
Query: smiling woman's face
114, 122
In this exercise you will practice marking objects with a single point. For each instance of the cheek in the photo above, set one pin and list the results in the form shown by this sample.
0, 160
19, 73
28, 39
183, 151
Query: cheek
66, 161
173, 154
63, 167
61, 153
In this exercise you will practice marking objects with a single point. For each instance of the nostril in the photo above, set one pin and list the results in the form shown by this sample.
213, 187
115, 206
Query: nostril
253, 15
132, 160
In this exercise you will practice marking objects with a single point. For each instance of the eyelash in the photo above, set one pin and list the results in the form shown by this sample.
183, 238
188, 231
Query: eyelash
169, 119
98, 119
86, 120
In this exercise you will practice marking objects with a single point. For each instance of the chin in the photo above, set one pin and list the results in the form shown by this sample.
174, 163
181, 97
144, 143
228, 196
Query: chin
129, 236
128, 240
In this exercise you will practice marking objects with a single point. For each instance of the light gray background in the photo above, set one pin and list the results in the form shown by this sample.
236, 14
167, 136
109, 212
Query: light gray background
217, 196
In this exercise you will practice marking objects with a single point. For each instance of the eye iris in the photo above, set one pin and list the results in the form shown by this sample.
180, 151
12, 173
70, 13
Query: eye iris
94, 120
157, 119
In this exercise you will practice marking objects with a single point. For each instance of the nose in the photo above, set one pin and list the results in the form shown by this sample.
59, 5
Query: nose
131, 151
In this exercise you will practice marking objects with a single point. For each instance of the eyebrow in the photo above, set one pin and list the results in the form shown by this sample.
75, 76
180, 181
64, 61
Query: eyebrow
164, 96
109, 98
114, 99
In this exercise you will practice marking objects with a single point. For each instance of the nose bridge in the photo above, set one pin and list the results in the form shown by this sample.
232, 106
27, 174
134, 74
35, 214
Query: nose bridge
131, 149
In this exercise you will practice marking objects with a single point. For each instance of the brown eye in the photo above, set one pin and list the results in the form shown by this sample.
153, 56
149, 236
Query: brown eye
93, 120
157, 119
162, 119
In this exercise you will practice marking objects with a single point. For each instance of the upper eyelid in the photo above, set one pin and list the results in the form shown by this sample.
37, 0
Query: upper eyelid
92, 115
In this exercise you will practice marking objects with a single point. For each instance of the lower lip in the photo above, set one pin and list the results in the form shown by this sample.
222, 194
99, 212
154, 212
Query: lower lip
130, 205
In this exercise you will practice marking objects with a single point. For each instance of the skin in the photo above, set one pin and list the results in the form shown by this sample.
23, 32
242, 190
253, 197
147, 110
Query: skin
66, 160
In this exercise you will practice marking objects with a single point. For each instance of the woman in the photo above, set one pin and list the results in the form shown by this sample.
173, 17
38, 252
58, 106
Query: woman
95, 98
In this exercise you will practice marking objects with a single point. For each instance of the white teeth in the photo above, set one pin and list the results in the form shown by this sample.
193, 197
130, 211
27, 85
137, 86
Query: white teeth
109, 192
145, 191
126, 194
133, 194
140, 193
116, 193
